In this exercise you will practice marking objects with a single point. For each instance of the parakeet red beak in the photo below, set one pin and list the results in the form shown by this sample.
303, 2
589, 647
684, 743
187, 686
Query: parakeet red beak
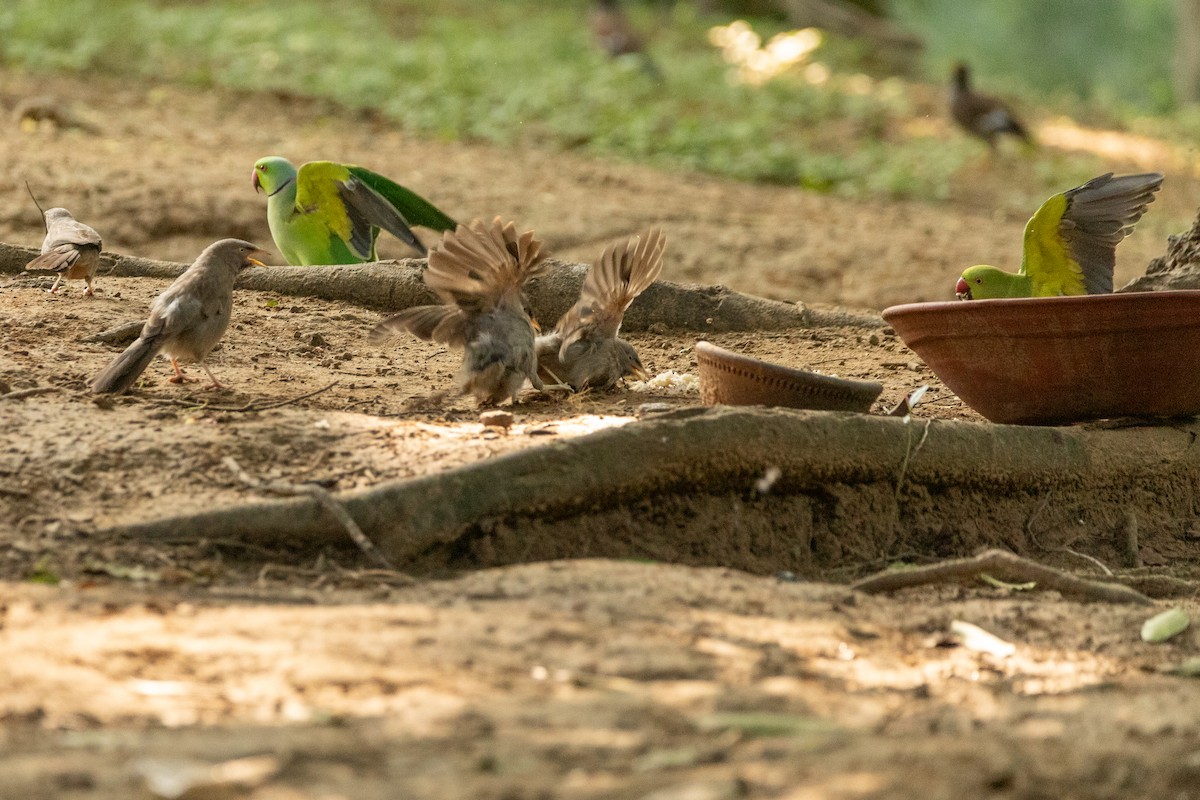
257, 183
961, 290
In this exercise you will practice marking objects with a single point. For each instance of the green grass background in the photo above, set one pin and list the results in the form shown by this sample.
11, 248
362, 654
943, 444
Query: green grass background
525, 72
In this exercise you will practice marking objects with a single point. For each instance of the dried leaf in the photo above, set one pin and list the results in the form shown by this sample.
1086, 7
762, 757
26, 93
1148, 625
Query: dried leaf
976, 638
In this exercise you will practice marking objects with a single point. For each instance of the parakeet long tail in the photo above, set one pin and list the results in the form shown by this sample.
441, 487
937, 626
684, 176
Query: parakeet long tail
415, 209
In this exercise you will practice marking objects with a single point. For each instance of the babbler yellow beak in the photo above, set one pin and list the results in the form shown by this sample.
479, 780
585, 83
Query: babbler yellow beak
254, 262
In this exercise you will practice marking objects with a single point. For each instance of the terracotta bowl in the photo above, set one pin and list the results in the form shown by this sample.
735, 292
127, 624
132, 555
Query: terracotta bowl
1048, 360
728, 378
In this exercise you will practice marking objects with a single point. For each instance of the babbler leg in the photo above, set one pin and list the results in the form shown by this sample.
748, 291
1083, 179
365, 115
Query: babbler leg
216, 384
178, 377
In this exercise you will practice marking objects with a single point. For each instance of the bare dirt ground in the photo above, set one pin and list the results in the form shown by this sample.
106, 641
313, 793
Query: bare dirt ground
303, 674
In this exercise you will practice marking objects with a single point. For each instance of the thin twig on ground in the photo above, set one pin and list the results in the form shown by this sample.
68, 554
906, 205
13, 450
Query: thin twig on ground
1103, 567
323, 497
1041, 506
389, 576
1032, 517
253, 405
1012, 567
909, 452
21, 394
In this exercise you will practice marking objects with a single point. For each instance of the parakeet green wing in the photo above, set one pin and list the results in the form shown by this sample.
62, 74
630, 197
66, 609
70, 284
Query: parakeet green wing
415, 209
1071, 242
353, 210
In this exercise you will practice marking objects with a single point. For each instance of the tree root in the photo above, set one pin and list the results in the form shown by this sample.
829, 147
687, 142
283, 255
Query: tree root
390, 286
1010, 567
717, 452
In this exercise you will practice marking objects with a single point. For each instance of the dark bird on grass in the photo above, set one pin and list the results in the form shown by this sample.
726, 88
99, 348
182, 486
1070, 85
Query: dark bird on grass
480, 272
584, 350
617, 37
981, 115
187, 319
70, 249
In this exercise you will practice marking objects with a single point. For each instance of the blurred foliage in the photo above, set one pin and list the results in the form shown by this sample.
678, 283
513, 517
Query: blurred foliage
518, 71
527, 72
1105, 52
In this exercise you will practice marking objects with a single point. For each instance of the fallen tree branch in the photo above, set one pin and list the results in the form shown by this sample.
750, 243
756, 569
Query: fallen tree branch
1012, 567
719, 452
389, 286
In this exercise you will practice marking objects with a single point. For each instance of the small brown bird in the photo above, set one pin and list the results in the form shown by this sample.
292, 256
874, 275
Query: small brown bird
187, 319
583, 350
479, 271
981, 115
70, 249
616, 36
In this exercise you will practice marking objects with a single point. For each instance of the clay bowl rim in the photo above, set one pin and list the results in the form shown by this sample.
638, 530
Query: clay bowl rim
999, 305
1172, 316
852, 392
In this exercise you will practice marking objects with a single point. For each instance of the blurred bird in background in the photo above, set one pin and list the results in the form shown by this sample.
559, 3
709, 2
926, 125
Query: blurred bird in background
617, 37
70, 249
981, 115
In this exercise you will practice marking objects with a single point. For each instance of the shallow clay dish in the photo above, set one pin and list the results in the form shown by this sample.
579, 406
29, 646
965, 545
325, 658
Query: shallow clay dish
1048, 360
728, 378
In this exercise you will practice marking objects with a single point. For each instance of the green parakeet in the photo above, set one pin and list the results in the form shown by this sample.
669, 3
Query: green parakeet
1071, 242
327, 213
